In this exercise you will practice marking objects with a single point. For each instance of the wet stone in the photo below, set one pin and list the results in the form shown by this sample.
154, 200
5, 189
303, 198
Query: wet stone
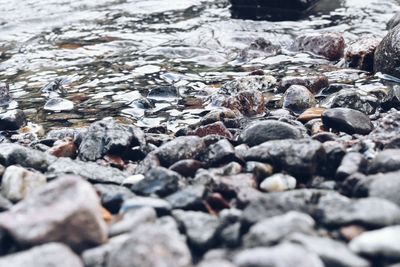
77, 223
272, 230
392, 100
257, 83
263, 131
58, 104
109, 137
248, 103
387, 56
163, 92
200, 228
158, 180
12, 120
297, 99
360, 54
277, 257
18, 182
51, 254
216, 128
327, 44
347, 120
217, 154
313, 83
278, 182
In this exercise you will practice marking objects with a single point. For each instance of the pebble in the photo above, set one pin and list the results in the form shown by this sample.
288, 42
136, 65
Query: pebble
297, 99
58, 104
347, 120
313, 83
385, 161
386, 57
217, 128
360, 54
12, 120
278, 182
310, 114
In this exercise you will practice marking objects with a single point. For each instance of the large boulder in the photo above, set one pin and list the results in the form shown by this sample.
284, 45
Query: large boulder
66, 210
387, 55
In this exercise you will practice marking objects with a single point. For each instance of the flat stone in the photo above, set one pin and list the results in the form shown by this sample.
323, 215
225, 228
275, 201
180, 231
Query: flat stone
272, 230
347, 120
277, 257
51, 254
18, 182
382, 243
77, 223
58, 104
263, 131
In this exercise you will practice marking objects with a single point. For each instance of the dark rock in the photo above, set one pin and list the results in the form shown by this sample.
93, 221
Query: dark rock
200, 228
313, 83
298, 157
160, 205
184, 147
386, 161
152, 246
393, 22
347, 120
77, 223
335, 151
189, 198
262, 131
327, 44
14, 154
112, 196
163, 92
186, 167
231, 226
387, 129
218, 153
360, 54
158, 180
332, 253
256, 83
351, 163
387, 54
271, 231
217, 128
52, 254
12, 120
109, 137
149, 162
379, 244
90, 170
297, 99
277, 257
352, 99
392, 100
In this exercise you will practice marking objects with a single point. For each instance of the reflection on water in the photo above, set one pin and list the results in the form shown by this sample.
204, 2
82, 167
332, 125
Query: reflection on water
112, 52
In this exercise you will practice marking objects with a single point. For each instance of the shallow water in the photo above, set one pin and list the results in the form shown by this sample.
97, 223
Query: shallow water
111, 53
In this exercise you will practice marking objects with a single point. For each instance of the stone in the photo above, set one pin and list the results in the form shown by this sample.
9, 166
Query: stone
382, 185
393, 22
392, 100
278, 182
351, 163
347, 120
109, 137
297, 99
186, 167
132, 219
387, 129
263, 131
310, 114
90, 170
200, 228
360, 54
298, 157
58, 104
387, 54
188, 198
257, 83
112, 196
77, 223
249, 102
272, 230
76, 134
216, 262
49, 255
382, 243
158, 180
216, 154
313, 83
64, 148
163, 92
160, 205
259, 170
18, 182
331, 252
277, 257
217, 128
12, 120
152, 246
385, 161
327, 44
14, 154
183, 147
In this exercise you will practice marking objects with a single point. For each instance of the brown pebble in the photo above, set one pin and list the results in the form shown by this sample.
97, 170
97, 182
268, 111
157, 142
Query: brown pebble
310, 114
65, 148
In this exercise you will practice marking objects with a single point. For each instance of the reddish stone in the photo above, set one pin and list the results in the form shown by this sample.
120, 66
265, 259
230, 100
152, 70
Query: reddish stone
115, 161
216, 128
360, 54
248, 102
65, 148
